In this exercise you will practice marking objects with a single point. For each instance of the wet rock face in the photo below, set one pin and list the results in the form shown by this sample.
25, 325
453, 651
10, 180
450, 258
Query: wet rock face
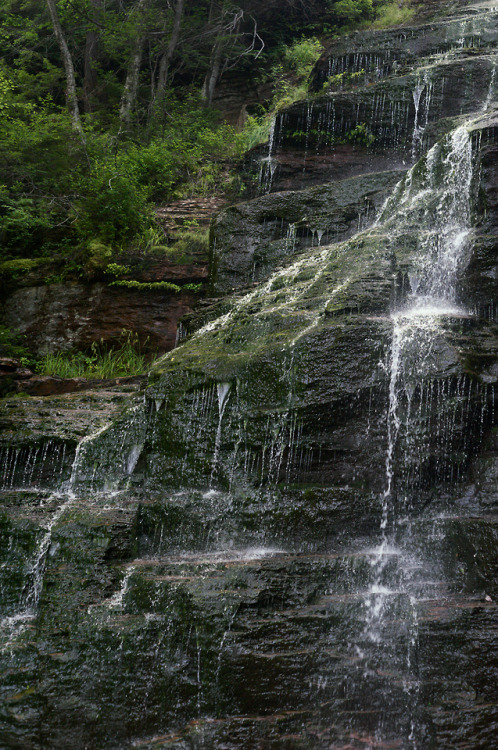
287, 538
382, 98
251, 239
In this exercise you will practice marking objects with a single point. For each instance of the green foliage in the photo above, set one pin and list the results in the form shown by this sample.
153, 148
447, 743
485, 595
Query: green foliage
91, 205
300, 57
343, 80
115, 269
11, 343
360, 135
391, 14
351, 11
146, 286
187, 243
83, 205
97, 257
114, 205
100, 362
290, 74
290, 84
23, 225
19, 266
256, 130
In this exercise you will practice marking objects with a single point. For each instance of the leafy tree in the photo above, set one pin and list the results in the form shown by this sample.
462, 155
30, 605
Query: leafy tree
105, 109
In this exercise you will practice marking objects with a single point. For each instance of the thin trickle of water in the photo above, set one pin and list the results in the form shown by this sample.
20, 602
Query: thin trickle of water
133, 457
231, 619
223, 390
118, 597
181, 332
492, 88
268, 164
12, 627
420, 123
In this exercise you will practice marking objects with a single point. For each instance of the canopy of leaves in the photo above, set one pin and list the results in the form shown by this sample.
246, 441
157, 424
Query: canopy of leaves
62, 196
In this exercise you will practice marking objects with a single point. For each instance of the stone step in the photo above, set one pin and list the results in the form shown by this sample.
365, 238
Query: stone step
186, 213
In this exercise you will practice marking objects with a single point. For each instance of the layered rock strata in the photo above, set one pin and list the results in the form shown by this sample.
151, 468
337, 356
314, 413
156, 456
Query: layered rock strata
288, 538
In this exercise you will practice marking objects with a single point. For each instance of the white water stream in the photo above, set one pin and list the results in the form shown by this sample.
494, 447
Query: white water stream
439, 202
11, 627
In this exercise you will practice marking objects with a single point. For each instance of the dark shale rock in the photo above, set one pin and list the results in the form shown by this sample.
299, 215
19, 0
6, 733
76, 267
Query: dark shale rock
207, 571
251, 239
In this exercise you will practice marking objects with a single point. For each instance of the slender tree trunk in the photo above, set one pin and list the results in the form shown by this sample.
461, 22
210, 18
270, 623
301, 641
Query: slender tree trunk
213, 73
71, 96
91, 55
130, 90
162, 79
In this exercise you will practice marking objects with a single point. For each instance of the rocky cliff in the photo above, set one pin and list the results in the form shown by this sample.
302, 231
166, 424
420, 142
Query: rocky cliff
287, 539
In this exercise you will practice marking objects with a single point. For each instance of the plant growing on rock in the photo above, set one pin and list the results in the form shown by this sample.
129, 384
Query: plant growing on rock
100, 362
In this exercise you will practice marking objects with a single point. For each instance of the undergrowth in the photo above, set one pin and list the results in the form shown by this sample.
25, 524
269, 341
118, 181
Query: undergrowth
290, 78
101, 362
393, 15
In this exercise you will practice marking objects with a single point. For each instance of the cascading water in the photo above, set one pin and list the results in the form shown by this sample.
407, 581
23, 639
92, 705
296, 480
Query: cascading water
441, 206
268, 164
12, 626
270, 545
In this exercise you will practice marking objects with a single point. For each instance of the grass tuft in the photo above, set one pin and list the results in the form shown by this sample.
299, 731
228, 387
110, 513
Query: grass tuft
100, 363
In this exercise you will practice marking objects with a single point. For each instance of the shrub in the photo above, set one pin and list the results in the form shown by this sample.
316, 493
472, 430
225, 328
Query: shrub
352, 11
290, 82
11, 343
24, 224
114, 206
391, 14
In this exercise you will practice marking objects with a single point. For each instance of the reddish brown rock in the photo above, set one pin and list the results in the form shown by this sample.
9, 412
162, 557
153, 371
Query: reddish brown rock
47, 385
72, 316
13, 367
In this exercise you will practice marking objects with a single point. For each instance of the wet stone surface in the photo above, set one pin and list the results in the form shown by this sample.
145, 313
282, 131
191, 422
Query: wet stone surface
287, 539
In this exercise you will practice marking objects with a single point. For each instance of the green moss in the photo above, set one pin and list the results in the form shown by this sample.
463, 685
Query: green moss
19, 266
146, 286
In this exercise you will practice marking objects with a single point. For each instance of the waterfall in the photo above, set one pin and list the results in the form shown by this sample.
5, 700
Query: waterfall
442, 208
268, 164
223, 390
419, 126
12, 626
443, 233
288, 536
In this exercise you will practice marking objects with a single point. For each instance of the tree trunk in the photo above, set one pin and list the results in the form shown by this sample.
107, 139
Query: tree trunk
71, 96
130, 90
213, 73
215, 19
91, 55
166, 58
